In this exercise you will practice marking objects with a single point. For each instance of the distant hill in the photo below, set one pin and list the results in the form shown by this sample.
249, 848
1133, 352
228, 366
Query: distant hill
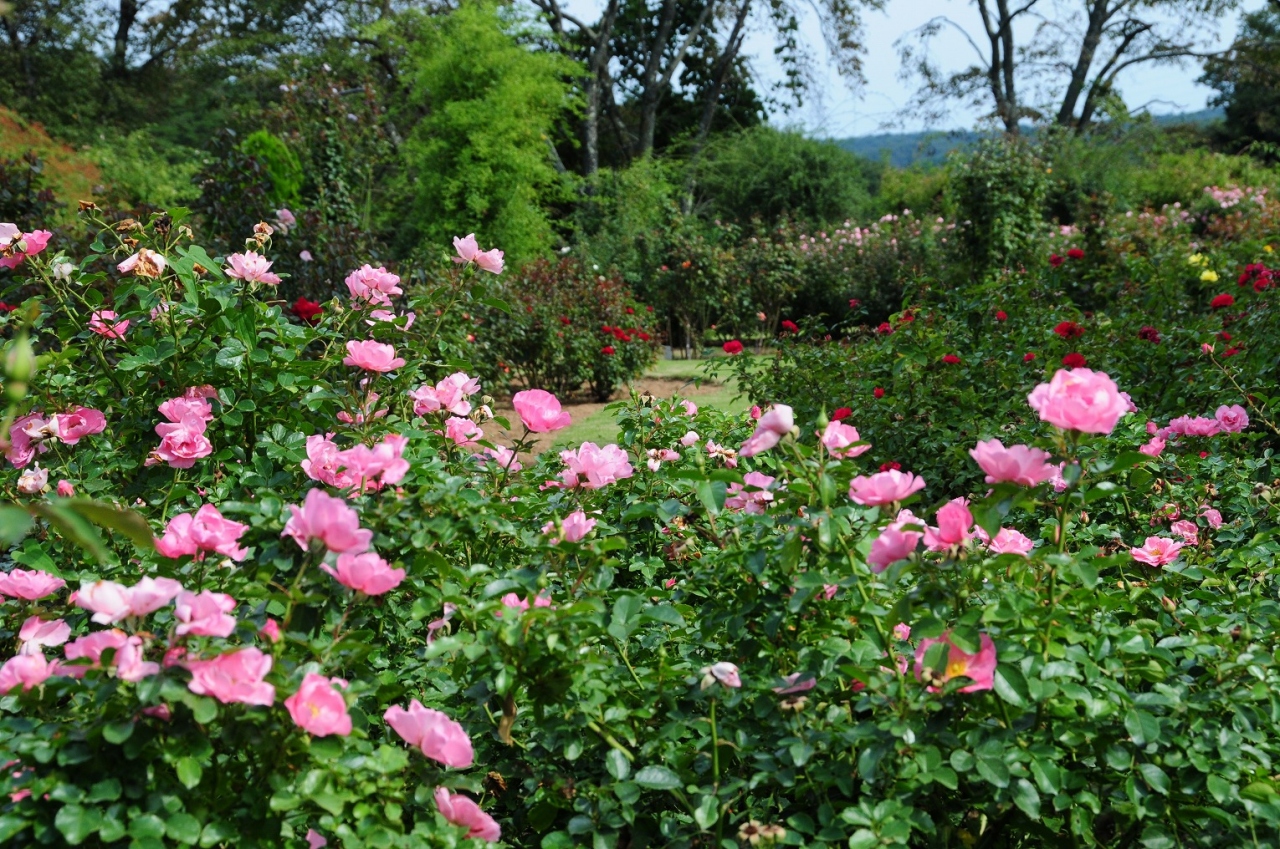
903, 149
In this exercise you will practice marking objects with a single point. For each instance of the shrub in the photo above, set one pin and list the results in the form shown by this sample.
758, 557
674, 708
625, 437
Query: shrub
279, 163
998, 193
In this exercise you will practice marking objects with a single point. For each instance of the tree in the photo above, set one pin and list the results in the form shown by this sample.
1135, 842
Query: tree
1248, 81
1070, 62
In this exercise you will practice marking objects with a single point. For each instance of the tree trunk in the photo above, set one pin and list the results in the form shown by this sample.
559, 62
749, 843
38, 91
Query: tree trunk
1098, 15
124, 23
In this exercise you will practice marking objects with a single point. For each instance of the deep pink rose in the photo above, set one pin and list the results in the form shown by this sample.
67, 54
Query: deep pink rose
180, 444
1157, 551
71, 427
1019, 464
28, 436
1232, 419
884, 487
104, 323
28, 670
1079, 399
372, 356
367, 572
234, 677
438, 736
328, 519
1213, 517
896, 542
540, 411
319, 708
954, 522
29, 584
462, 811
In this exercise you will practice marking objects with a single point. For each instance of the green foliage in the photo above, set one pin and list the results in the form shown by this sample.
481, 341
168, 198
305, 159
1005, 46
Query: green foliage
279, 163
1246, 82
998, 193
479, 160
146, 171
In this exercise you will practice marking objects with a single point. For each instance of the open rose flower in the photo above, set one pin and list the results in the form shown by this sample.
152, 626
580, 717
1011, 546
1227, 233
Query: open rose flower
750, 496
36, 633
540, 411
365, 572
205, 614
770, 428
439, 737
896, 542
594, 467
107, 323
25, 670
842, 440
251, 268
327, 519
318, 707
373, 285
235, 677
1157, 551
884, 487
449, 395
954, 523
204, 530
29, 584
1232, 419
71, 427
1079, 399
372, 356
979, 667
722, 673
1018, 464
461, 811
574, 527
469, 251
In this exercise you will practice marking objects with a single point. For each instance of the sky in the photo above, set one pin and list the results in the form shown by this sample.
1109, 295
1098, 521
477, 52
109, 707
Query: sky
837, 112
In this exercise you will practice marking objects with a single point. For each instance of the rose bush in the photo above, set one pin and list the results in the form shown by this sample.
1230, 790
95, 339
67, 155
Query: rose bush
295, 585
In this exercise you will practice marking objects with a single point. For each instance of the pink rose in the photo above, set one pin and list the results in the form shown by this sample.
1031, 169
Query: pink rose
204, 614
1187, 530
884, 487
103, 323
17, 246
33, 481
71, 427
690, 439
450, 395
329, 520
593, 467
895, 542
1158, 551
373, 285
1152, 448
325, 463
462, 431
319, 708
27, 437
145, 263
1194, 426
723, 673
251, 268
795, 684
192, 409
271, 630
462, 811
1010, 541
380, 465
469, 251
65, 489
438, 736
367, 572
372, 356
540, 411
840, 439
770, 428
37, 633
574, 527
1213, 517
234, 677
750, 496
954, 522
1018, 464
149, 595
314, 839
1079, 399
109, 601
1232, 419
180, 445
130, 665
206, 530
29, 670
980, 667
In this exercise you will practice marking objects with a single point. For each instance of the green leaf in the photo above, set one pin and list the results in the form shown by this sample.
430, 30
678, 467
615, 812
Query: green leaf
1155, 778
1142, 726
1011, 686
1026, 798
993, 771
189, 772
127, 522
707, 812
73, 526
11, 825
76, 823
146, 825
117, 732
658, 778
617, 764
14, 524
663, 613
183, 828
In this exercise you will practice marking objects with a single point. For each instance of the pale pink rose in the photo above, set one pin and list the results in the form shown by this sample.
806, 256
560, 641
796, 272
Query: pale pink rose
366, 572
130, 665
438, 736
728, 455
65, 489
770, 429
795, 683
1079, 399
180, 445
884, 487
980, 667
145, 263
205, 530
286, 220
37, 633
205, 614
315, 840
149, 595
450, 395
1153, 448
594, 467
90, 647
723, 673
234, 677
462, 811
902, 631
1158, 551
437, 624
1213, 517
28, 670
954, 523
690, 439
1187, 530
33, 481
27, 437
1059, 481
328, 519
1194, 426
306, 256
490, 261
71, 427
318, 708
658, 456
391, 318
104, 323
373, 285
1010, 541
380, 465
750, 496
1020, 464
271, 630
461, 431
108, 601
896, 542
469, 251
1207, 348
372, 356
840, 439
9, 233
29, 584
540, 411
1232, 419
574, 527
194, 410
690, 408
325, 463
251, 267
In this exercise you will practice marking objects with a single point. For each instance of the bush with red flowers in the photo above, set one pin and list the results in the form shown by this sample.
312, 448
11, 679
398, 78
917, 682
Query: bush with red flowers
1074, 360
733, 346
1068, 330
1222, 301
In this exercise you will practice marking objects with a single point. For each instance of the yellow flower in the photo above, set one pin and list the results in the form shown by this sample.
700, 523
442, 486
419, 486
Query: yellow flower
1209, 276
1196, 259
1267, 248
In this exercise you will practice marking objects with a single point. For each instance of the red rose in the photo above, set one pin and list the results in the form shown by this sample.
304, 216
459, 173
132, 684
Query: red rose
890, 466
564, 319
1220, 301
1074, 360
733, 346
884, 328
608, 350
854, 303
308, 311
841, 413
879, 393
1069, 330
790, 326
6, 307
1028, 357
1224, 336
951, 359
1231, 352
1001, 315
1075, 253
630, 311
1150, 334
1055, 260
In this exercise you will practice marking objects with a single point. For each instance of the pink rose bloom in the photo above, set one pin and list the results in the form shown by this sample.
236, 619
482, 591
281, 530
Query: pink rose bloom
840, 440
206, 530
462, 811
954, 521
315, 840
770, 429
373, 285
980, 667
325, 463
1213, 517
895, 542
130, 665
27, 437
180, 445
658, 456
753, 500
902, 631
593, 467
367, 572
145, 263
37, 633
469, 251
450, 395
1157, 551
575, 526
380, 465
690, 408
29, 670
205, 614
271, 630
391, 318
318, 708
91, 646
462, 431
540, 411
108, 601
1153, 448
103, 323
437, 624
33, 481
188, 409
1232, 419
286, 219
503, 456
438, 736
1079, 399
1194, 426
755, 412
149, 595
65, 489
690, 439
512, 602
794, 684
71, 427
251, 268
723, 673
884, 487
1010, 541
234, 677
1020, 464
21, 245
329, 520
372, 356
1187, 530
